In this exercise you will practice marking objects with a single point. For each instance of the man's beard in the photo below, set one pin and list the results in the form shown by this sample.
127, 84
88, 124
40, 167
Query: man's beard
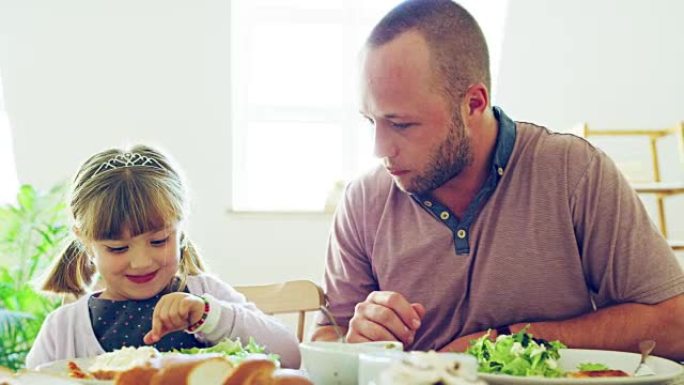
446, 161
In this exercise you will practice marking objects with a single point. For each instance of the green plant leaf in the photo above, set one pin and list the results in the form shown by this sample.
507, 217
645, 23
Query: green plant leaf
32, 232
26, 197
16, 329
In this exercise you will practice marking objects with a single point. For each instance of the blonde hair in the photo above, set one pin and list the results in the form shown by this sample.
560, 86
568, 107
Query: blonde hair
104, 204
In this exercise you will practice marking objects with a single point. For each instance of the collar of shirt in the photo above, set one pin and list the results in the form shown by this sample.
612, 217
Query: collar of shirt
505, 141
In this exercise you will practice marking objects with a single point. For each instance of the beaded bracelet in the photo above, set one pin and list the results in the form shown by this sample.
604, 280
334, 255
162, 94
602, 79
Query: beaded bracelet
194, 328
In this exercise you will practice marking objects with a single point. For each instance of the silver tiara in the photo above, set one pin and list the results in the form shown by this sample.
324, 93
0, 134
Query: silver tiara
128, 159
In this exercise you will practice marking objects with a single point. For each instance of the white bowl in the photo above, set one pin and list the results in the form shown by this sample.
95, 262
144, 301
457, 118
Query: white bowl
373, 363
337, 363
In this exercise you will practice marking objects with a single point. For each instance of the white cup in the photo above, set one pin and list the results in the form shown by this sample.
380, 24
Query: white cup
336, 363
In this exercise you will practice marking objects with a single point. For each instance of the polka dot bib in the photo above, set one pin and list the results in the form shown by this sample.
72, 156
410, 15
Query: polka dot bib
125, 323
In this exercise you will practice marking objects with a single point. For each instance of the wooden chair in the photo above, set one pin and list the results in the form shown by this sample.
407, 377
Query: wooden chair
661, 190
298, 296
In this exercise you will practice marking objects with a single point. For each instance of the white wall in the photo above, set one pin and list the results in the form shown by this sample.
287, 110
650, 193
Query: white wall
610, 63
83, 75
8, 174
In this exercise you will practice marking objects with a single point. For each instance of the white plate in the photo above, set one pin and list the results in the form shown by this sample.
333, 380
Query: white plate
61, 369
665, 370
34, 378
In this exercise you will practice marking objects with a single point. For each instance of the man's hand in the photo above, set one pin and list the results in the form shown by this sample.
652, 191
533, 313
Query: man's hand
174, 311
385, 316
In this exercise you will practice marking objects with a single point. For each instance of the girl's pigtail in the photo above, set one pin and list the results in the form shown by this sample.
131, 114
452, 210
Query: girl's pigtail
190, 261
71, 273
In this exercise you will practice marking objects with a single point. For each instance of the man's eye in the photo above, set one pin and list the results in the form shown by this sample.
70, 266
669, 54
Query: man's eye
402, 126
160, 242
117, 249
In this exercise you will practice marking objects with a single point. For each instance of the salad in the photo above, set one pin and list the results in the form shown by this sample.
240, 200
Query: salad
521, 354
591, 367
234, 349
518, 354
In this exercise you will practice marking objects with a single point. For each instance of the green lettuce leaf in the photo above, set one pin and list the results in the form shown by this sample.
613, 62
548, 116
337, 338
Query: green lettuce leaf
233, 349
519, 354
591, 366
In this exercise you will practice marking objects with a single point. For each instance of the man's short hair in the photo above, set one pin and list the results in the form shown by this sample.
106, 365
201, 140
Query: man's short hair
456, 42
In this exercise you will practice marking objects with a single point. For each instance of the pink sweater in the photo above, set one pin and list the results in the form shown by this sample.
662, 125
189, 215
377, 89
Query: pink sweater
68, 333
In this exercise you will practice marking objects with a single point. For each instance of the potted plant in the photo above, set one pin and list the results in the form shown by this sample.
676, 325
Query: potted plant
32, 233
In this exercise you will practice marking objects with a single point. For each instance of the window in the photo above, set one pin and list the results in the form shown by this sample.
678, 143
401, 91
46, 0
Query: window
297, 134
8, 173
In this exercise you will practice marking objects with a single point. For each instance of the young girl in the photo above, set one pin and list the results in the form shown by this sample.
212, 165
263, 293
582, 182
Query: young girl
128, 208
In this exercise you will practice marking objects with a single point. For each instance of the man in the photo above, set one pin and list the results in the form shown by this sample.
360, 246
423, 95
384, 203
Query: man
476, 222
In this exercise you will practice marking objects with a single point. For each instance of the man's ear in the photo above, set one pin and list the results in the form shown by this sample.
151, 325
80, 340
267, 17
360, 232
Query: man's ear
476, 99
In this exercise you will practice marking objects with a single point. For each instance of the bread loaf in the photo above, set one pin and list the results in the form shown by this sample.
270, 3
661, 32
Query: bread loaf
252, 371
193, 370
141, 375
209, 369
179, 369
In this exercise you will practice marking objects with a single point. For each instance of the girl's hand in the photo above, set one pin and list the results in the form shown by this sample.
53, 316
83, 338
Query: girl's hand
174, 311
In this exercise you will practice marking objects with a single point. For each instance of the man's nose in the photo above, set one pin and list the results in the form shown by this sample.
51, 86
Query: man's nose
384, 146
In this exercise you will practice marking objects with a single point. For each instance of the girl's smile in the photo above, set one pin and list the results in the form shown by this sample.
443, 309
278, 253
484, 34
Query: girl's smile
142, 278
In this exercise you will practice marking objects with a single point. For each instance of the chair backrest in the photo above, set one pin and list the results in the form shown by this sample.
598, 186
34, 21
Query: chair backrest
653, 136
680, 141
298, 296
655, 186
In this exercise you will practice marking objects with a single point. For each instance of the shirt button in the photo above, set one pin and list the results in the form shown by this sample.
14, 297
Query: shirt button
461, 233
444, 215
500, 171
427, 203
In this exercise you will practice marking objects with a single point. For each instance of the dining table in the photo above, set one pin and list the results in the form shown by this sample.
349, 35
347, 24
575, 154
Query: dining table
41, 379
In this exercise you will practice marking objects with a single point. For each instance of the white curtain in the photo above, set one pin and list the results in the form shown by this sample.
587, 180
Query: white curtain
8, 172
